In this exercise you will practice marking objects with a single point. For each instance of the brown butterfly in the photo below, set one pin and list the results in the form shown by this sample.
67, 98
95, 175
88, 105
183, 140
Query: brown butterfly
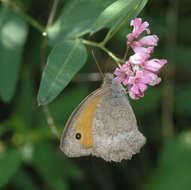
103, 125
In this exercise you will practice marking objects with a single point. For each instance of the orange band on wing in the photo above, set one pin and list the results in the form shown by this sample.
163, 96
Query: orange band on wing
84, 123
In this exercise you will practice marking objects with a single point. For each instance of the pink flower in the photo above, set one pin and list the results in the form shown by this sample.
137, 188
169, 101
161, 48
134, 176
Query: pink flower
138, 58
135, 96
139, 72
138, 49
145, 44
123, 74
154, 65
150, 40
137, 84
130, 38
138, 28
153, 79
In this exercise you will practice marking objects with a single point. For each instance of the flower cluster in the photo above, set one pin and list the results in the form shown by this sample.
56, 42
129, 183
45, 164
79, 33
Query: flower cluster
140, 71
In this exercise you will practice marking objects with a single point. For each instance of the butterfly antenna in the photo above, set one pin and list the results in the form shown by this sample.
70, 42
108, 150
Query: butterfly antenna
98, 66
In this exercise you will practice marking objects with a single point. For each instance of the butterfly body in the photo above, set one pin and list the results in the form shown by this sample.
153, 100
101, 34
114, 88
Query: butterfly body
106, 125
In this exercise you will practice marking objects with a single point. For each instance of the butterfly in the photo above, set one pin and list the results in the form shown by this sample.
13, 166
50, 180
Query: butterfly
103, 125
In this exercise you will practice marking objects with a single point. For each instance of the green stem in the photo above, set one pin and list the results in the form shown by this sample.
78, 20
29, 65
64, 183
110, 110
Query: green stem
110, 34
101, 46
26, 17
52, 13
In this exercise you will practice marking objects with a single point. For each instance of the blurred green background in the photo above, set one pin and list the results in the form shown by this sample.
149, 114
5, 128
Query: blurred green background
30, 157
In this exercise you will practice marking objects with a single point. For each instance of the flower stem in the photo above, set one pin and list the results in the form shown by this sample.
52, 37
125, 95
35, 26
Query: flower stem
101, 46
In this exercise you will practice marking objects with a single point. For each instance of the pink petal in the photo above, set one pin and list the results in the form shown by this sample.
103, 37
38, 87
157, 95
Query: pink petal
150, 40
139, 74
138, 58
144, 27
141, 94
135, 94
123, 73
162, 62
131, 80
155, 65
153, 78
139, 27
117, 71
142, 87
130, 38
144, 79
148, 31
125, 82
136, 68
136, 23
126, 67
143, 50
132, 95
135, 89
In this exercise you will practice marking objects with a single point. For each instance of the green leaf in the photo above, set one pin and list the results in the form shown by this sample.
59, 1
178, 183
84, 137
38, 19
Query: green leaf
54, 169
76, 18
128, 16
117, 13
65, 60
174, 167
13, 32
9, 164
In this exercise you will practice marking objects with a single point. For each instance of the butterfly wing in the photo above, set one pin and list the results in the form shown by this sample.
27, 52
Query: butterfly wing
76, 139
115, 132
103, 125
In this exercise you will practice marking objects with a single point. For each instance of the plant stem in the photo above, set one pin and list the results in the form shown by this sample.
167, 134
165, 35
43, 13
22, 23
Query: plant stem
101, 46
50, 121
126, 53
26, 17
52, 14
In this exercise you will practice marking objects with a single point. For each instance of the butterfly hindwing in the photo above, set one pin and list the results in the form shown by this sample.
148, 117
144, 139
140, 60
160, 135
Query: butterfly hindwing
115, 131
